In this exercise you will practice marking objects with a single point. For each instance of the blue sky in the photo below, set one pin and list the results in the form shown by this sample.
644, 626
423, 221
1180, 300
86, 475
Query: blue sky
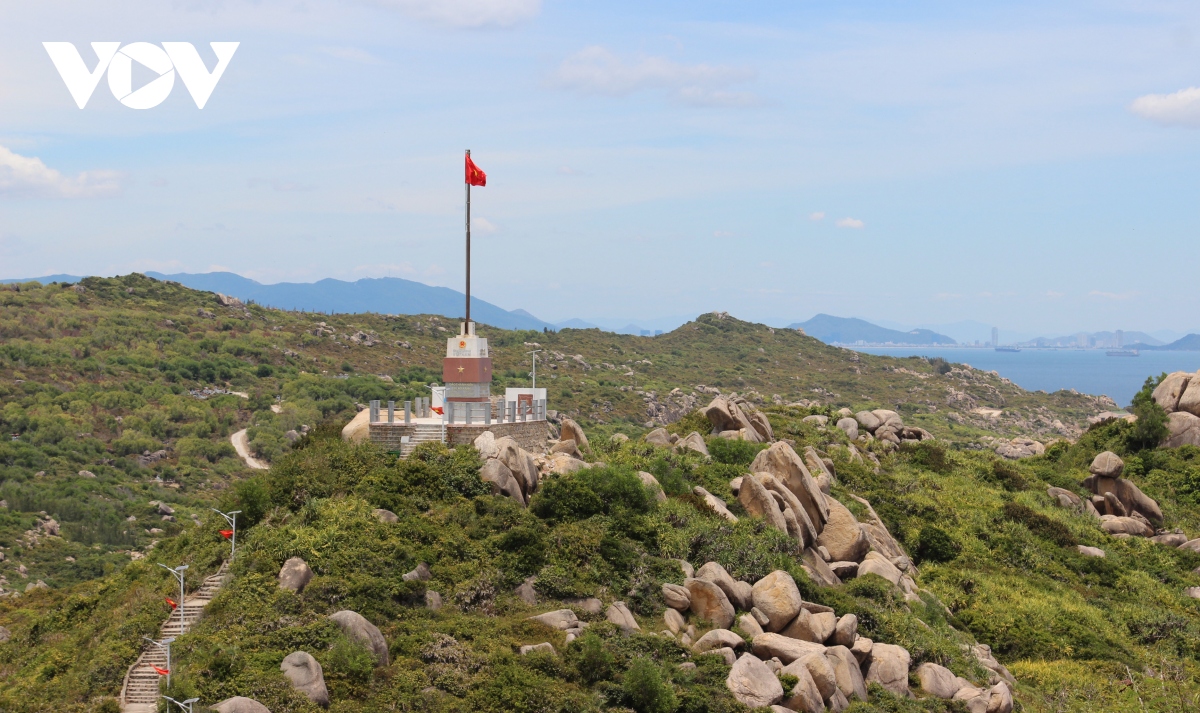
1023, 164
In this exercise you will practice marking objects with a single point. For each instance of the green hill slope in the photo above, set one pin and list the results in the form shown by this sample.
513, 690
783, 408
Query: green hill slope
94, 379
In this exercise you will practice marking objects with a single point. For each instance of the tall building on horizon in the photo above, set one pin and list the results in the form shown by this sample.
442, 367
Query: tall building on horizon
995, 337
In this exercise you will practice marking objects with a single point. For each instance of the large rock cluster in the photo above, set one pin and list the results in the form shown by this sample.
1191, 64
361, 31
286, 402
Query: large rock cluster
780, 633
782, 490
885, 425
1122, 507
691, 442
1179, 396
734, 417
509, 469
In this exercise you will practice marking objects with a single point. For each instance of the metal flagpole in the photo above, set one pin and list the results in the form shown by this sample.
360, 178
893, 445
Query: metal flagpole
468, 247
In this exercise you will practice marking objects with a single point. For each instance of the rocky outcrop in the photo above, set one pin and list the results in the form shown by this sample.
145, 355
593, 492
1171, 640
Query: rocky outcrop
718, 639
709, 602
306, 676
739, 596
619, 614
510, 470
358, 430
295, 575
1020, 447
842, 535
677, 597
777, 596
787, 467
569, 430
759, 503
753, 684
1183, 429
734, 415
1179, 395
240, 704
712, 502
692, 442
660, 437
652, 483
1121, 498
889, 668
358, 629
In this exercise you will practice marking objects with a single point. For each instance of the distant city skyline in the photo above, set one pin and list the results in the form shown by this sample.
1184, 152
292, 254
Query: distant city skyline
1009, 163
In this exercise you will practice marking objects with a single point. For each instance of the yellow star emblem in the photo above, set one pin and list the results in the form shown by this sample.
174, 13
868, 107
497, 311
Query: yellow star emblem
461, 369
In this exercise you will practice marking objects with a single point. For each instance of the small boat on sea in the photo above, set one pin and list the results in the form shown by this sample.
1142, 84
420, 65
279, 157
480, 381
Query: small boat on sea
1008, 349
1122, 352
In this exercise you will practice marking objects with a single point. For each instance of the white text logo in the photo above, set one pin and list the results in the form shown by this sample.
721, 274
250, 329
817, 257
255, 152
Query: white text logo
163, 61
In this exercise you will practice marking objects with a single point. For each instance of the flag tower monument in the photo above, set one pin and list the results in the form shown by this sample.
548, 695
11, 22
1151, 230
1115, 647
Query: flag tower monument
463, 407
467, 368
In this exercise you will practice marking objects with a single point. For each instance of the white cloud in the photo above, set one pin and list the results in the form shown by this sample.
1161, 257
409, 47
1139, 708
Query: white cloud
1111, 295
596, 70
1179, 109
22, 175
468, 13
816, 216
351, 54
850, 223
482, 225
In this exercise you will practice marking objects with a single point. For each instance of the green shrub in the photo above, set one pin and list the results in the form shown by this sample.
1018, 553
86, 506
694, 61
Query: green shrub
788, 681
731, 452
1040, 525
645, 689
1007, 476
591, 659
349, 661
935, 545
1150, 429
612, 490
133, 442
929, 455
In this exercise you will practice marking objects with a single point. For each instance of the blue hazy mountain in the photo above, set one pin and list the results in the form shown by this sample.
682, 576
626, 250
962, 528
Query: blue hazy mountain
1190, 343
850, 330
385, 295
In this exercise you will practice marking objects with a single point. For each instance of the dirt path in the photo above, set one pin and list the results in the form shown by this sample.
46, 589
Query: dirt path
241, 444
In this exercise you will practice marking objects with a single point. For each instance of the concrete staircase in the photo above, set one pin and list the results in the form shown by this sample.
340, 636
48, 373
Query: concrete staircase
141, 692
423, 433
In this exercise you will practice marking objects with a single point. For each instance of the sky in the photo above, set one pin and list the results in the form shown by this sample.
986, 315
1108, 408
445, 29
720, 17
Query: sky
1026, 164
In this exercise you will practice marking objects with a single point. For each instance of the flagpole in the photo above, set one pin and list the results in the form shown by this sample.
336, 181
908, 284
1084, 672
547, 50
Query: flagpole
468, 321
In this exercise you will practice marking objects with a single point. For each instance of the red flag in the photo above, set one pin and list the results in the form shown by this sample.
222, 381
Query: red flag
475, 175
226, 533
437, 409
171, 602
162, 671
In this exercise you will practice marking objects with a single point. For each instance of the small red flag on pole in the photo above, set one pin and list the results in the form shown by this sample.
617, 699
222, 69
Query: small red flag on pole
162, 671
171, 602
475, 175
226, 533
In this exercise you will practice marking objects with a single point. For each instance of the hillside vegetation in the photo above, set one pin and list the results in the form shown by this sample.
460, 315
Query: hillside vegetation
102, 378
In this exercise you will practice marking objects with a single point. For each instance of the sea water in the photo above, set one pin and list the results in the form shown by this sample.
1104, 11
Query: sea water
1090, 371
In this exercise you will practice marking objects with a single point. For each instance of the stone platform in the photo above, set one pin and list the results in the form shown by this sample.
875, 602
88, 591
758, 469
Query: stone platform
530, 435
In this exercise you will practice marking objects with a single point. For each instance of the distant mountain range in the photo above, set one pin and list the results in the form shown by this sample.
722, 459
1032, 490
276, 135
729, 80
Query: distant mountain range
851, 330
385, 295
1190, 343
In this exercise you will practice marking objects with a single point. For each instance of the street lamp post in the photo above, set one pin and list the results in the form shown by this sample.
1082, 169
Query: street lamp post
178, 572
185, 705
534, 372
165, 645
231, 518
